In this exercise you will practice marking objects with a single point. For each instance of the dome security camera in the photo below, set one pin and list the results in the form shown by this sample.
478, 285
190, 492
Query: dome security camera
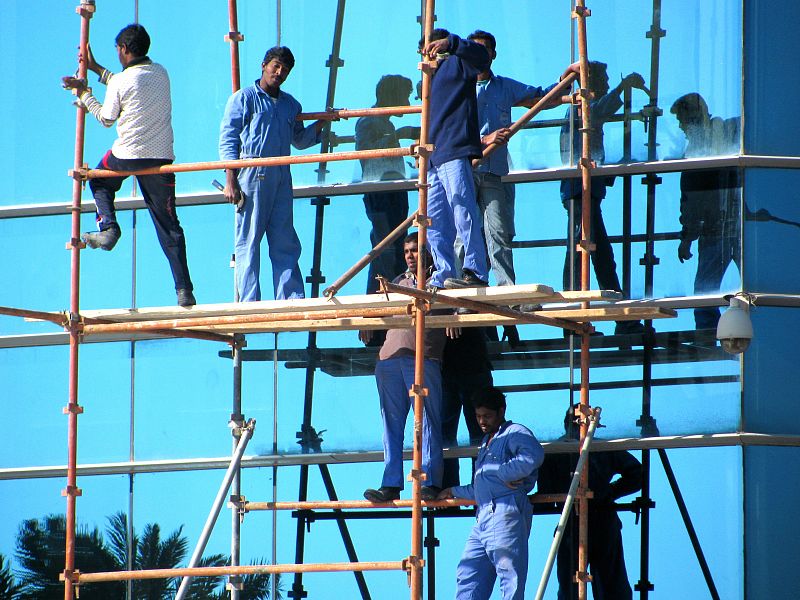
734, 330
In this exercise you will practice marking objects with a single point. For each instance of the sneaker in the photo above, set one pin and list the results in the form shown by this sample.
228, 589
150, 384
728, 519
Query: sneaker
468, 280
185, 297
105, 240
429, 493
383, 494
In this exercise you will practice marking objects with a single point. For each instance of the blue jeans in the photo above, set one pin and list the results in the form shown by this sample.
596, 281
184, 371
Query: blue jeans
453, 211
395, 377
497, 547
267, 211
159, 196
496, 205
386, 210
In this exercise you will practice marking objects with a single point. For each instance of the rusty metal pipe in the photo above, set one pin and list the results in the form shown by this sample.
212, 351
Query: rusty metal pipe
347, 113
330, 291
240, 570
234, 37
357, 504
531, 112
242, 163
483, 307
57, 318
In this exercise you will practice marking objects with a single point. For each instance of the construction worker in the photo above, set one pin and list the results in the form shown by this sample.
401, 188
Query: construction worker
138, 100
454, 133
394, 375
259, 121
606, 555
505, 473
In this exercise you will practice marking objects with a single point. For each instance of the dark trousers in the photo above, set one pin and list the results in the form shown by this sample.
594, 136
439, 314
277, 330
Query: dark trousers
386, 210
159, 196
606, 558
605, 269
457, 389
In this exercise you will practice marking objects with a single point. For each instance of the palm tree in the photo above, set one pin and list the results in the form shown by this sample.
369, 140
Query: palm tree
9, 590
40, 551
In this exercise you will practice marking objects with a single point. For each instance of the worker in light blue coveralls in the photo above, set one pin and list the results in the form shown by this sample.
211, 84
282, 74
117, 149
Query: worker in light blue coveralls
260, 121
505, 473
454, 133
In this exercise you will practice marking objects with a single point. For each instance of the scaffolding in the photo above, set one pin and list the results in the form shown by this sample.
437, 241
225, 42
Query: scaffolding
397, 307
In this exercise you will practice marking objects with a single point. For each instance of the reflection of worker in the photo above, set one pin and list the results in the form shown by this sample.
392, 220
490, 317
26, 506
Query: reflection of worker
385, 210
606, 556
394, 375
259, 121
465, 368
710, 200
138, 100
605, 104
505, 472
454, 133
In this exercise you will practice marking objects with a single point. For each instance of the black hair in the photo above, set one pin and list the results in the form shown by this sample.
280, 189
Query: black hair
135, 38
690, 104
411, 237
282, 54
596, 70
436, 34
393, 86
489, 397
480, 34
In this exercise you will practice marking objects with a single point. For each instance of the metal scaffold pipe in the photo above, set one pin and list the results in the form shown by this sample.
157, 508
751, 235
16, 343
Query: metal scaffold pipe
85, 11
580, 469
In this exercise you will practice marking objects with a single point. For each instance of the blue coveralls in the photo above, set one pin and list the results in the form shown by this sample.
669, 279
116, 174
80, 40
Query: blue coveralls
498, 543
454, 133
256, 125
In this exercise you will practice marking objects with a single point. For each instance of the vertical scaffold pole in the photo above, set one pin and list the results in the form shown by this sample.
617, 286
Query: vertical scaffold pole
233, 37
586, 247
418, 392
85, 10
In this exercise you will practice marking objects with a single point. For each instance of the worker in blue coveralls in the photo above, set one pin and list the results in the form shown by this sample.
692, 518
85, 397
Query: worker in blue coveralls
611, 475
603, 106
505, 473
454, 133
260, 121
394, 375
496, 96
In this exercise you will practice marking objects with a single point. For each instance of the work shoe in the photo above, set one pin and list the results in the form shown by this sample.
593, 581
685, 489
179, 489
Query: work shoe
429, 493
185, 297
511, 334
468, 280
383, 494
105, 240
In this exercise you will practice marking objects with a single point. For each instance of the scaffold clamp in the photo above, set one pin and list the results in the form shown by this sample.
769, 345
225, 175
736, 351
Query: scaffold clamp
75, 243
79, 174
72, 575
86, 9
416, 390
234, 36
72, 409
72, 490
422, 220
581, 11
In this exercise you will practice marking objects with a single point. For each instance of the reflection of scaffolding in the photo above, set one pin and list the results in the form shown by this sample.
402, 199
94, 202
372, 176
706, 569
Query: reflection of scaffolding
225, 325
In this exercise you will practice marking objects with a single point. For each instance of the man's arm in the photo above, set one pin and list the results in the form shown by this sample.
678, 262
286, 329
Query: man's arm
230, 130
473, 54
106, 113
608, 105
630, 472
527, 456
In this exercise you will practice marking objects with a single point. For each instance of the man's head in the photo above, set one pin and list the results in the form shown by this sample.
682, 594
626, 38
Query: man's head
486, 39
691, 111
393, 90
490, 409
132, 42
598, 78
436, 34
411, 253
275, 68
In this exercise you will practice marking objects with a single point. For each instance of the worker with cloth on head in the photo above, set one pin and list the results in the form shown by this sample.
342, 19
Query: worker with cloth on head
260, 121
505, 473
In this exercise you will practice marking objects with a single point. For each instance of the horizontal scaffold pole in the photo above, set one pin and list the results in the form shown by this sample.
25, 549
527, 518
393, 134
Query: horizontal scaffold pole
482, 307
80, 578
268, 161
345, 113
366, 504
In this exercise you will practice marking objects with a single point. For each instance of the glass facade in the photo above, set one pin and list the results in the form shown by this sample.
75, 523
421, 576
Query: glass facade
684, 232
